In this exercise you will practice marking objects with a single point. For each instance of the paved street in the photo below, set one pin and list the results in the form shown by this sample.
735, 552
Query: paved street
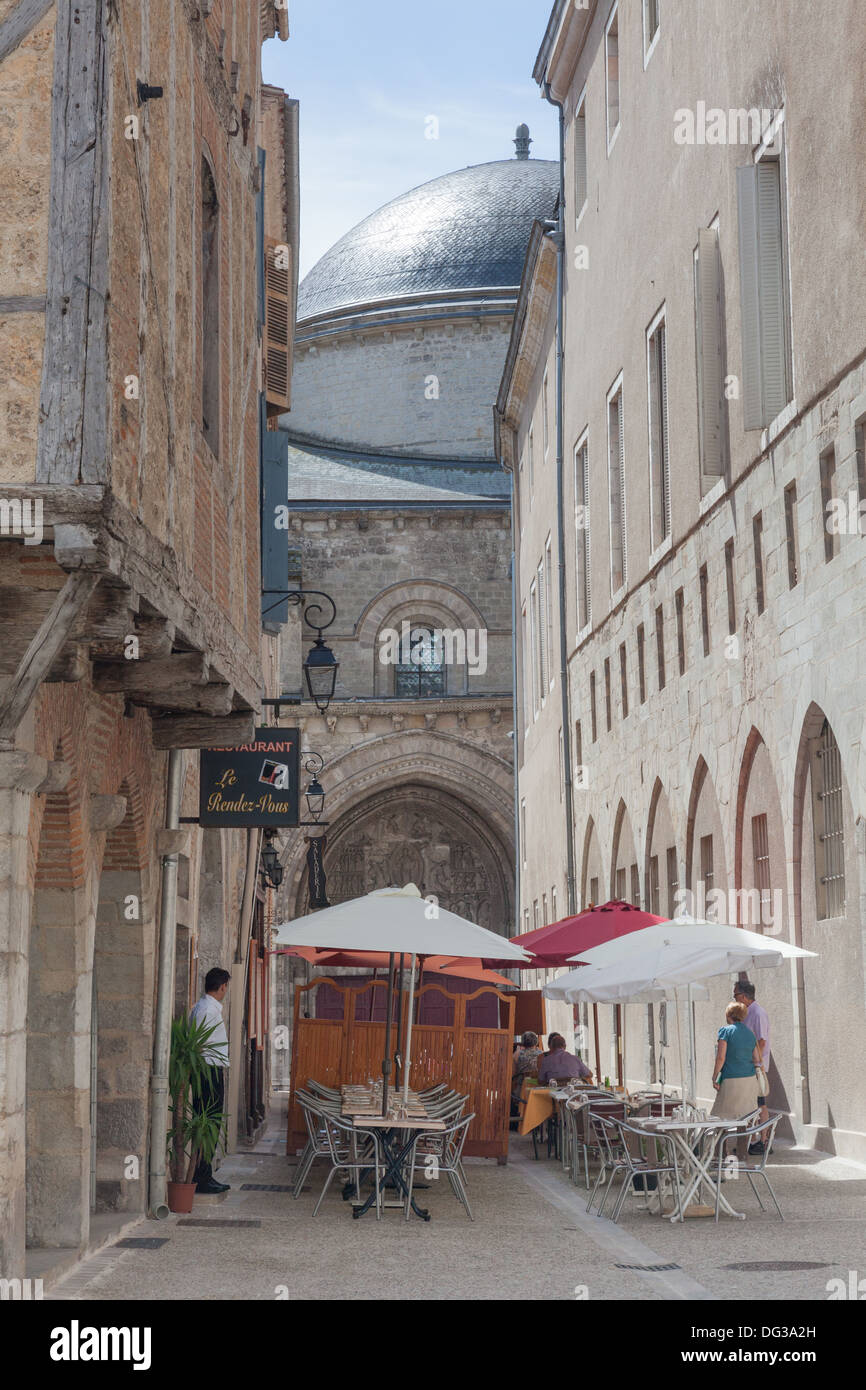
531, 1239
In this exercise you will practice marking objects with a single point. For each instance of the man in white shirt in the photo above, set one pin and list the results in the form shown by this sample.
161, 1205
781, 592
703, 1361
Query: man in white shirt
209, 1011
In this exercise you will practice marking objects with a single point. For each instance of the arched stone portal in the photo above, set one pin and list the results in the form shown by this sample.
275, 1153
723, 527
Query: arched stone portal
419, 834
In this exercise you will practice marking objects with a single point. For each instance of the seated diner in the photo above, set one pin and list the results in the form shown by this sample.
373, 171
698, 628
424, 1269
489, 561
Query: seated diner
560, 1065
524, 1063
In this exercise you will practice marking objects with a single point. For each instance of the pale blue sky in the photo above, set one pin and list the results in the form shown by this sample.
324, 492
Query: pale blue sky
368, 73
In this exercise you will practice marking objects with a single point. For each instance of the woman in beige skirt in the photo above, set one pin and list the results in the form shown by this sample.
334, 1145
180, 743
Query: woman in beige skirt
737, 1056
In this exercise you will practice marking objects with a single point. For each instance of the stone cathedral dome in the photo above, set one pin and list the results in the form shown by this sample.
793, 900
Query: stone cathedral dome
402, 332
464, 231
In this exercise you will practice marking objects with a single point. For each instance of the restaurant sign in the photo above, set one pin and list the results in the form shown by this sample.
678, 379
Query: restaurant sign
254, 784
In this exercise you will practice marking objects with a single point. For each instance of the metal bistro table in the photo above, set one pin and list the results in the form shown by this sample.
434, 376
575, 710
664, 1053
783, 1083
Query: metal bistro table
395, 1136
683, 1133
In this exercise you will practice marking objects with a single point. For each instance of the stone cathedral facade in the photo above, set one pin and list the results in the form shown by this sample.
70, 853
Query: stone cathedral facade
399, 511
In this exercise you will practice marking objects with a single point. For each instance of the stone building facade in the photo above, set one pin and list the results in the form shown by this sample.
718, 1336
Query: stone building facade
712, 467
131, 316
401, 513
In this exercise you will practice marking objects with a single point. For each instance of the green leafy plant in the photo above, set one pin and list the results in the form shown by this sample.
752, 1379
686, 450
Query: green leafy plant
197, 1120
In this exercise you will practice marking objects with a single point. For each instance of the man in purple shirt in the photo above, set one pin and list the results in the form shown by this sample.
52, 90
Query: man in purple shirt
559, 1065
756, 1019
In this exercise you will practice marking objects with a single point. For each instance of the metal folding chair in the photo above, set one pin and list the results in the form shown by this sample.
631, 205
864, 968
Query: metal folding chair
316, 1145
639, 1158
446, 1149
342, 1148
743, 1131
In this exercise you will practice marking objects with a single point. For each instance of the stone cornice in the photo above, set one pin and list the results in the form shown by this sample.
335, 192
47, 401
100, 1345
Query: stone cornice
378, 316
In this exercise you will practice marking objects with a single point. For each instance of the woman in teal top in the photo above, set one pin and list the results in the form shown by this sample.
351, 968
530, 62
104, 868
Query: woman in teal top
737, 1056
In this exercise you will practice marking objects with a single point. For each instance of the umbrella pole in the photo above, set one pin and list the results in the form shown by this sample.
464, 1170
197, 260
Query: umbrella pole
386, 1060
398, 1053
408, 1062
373, 993
692, 1061
597, 1044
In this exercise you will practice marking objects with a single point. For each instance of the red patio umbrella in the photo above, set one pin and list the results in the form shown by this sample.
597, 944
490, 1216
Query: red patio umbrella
560, 942
469, 969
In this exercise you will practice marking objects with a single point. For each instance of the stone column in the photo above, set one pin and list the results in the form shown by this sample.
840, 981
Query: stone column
21, 773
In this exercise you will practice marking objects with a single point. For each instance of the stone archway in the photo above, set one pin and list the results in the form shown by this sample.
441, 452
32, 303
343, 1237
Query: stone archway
662, 864
706, 861
58, 1029
624, 872
472, 777
592, 868
422, 834
122, 1009
829, 988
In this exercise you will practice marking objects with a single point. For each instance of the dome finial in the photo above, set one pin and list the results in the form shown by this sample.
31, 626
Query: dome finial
522, 142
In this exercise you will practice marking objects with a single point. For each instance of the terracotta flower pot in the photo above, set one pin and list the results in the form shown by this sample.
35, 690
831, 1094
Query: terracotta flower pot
180, 1195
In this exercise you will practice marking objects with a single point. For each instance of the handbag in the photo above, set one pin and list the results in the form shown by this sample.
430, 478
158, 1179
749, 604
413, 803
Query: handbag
763, 1081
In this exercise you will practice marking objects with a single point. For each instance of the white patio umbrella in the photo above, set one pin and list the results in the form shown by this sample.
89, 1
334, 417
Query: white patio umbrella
593, 984
668, 955
401, 922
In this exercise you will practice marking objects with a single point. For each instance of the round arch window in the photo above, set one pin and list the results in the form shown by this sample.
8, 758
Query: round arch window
420, 672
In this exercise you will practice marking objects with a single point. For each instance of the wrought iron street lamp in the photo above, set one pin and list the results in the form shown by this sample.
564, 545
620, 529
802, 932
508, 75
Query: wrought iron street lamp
320, 670
315, 793
271, 868
320, 664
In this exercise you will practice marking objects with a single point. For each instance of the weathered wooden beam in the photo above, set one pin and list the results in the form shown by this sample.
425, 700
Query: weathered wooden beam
71, 665
72, 443
153, 639
43, 650
22, 303
179, 683
163, 677
19, 22
199, 731
93, 529
82, 504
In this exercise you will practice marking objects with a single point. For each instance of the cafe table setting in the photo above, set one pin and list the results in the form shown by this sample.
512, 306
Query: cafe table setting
395, 1135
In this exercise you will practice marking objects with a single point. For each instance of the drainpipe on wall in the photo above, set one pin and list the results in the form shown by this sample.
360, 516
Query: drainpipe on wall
558, 237
239, 989
164, 993
515, 730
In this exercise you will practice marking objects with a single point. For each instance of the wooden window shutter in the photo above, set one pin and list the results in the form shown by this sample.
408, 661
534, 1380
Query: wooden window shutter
762, 293
708, 303
278, 326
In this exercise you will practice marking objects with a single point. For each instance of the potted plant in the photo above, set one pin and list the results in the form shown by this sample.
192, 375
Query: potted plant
196, 1118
